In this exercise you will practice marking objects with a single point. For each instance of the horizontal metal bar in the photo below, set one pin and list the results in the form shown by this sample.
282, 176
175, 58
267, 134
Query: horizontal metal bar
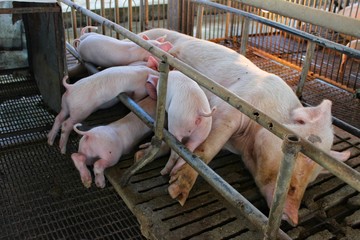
22, 10
226, 190
339, 169
307, 36
295, 10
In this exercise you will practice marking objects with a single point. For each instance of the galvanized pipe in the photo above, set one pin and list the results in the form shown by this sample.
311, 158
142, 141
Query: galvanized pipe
310, 50
339, 169
291, 147
226, 190
159, 126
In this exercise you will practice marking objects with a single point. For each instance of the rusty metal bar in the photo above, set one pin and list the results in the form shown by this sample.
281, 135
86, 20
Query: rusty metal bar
88, 20
291, 147
74, 20
158, 129
117, 16
130, 15
227, 191
21, 10
310, 50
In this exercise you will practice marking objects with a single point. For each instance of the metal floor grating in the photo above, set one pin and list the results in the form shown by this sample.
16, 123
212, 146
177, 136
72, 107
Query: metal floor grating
41, 194
330, 208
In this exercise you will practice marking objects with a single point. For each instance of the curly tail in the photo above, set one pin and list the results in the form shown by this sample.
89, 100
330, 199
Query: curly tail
208, 114
83, 30
75, 127
64, 81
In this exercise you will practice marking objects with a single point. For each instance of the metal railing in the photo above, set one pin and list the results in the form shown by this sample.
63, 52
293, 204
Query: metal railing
270, 226
285, 46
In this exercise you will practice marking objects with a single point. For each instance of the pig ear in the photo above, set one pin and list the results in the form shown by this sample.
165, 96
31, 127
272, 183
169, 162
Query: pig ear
152, 63
161, 39
145, 37
305, 115
166, 46
341, 156
150, 86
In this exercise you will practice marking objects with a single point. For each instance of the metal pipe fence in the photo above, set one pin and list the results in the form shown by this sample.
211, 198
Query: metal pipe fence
344, 172
332, 64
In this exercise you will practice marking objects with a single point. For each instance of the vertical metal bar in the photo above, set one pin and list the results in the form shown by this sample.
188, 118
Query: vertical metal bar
159, 125
291, 147
74, 22
200, 15
117, 16
146, 13
102, 13
228, 3
142, 15
244, 35
88, 20
130, 15
310, 49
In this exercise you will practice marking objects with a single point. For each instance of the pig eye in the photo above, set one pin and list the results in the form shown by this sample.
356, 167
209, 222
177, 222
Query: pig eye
299, 121
292, 190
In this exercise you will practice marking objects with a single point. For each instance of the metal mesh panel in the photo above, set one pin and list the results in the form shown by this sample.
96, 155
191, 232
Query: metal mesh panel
41, 194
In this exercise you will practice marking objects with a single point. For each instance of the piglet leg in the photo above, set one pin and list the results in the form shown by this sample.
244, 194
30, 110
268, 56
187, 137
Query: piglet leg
170, 163
57, 124
223, 127
99, 168
80, 163
66, 129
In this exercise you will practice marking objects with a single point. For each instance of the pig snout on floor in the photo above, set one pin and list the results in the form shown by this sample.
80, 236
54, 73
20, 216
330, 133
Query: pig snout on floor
103, 146
94, 92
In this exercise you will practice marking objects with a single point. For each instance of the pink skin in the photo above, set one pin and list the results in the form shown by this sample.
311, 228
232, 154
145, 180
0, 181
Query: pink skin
104, 145
107, 51
189, 114
232, 130
94, 92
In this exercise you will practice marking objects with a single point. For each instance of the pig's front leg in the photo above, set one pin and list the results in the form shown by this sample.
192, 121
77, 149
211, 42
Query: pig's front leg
226, 121
80, 163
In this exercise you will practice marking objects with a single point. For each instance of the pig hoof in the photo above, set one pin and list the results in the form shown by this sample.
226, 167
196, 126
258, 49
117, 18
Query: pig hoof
181, 183
100, 180
86, 182
164, 171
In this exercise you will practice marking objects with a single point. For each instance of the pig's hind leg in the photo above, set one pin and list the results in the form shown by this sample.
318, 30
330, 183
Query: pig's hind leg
59, 119
80, 163
99, 168
66, 128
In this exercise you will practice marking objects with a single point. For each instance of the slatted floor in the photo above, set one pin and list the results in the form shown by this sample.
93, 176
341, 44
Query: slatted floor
41, 195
